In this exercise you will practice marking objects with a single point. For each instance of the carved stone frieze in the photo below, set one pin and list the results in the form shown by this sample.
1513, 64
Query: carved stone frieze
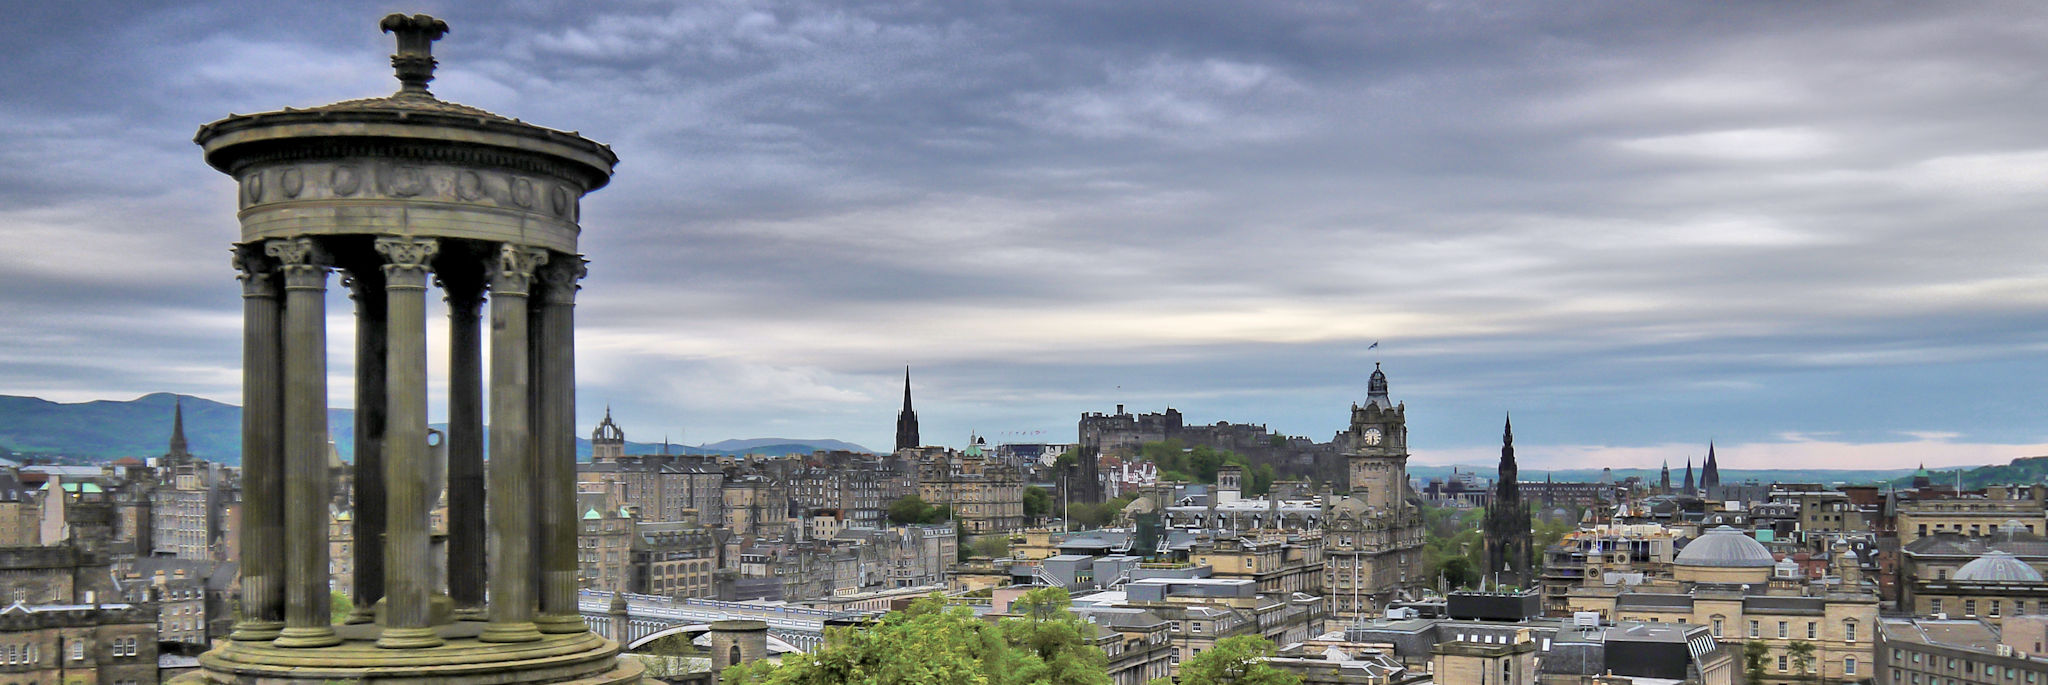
312, 180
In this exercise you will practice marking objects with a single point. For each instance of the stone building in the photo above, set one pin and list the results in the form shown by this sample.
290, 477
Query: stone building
658, 487
854, 489
20, 511
1969, 577
604, 544
1972, 515
1138, 642
985, 494
404, 193
1932, 651
1277, 563
188, 504
757, 506
674, 559
1736, 588
1373, 536
62, 573
60, 644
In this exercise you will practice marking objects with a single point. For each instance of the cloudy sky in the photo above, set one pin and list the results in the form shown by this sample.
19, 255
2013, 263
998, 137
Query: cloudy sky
1811, 232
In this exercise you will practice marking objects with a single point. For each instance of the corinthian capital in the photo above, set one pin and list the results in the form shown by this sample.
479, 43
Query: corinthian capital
560, 278
512, 272
305, 264
258, 273
405, 260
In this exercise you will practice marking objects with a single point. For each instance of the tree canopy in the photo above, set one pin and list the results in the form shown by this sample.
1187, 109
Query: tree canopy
931, 642
1199, 464
1235, 660
912, 509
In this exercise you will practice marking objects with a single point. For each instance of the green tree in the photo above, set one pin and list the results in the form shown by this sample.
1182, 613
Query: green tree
1236, 660
912, 509
1801, 653
931, 642
338, 607
992, 546
1754, 653
1037, 502
1059, 641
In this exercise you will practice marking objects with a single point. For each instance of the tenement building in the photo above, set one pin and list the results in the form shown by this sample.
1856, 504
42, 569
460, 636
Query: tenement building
401, 193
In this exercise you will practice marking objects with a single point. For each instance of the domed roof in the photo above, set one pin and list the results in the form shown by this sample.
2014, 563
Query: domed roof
1726, 547
1998, 567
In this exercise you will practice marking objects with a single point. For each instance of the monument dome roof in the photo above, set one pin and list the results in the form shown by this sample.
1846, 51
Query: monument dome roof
1998, 567
1726, 547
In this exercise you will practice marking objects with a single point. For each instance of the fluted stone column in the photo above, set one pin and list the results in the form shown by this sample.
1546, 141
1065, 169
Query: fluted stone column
261, 613
557, 446
463, 284
306, 487
366, 286
512, 569
409, 570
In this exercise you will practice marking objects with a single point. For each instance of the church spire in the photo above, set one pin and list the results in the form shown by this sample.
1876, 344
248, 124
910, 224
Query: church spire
906, 422
1710, 475
179, 447
1688, 476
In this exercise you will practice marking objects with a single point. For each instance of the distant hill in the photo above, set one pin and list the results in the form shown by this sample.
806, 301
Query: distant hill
2024, 470
141, 427
1822, 476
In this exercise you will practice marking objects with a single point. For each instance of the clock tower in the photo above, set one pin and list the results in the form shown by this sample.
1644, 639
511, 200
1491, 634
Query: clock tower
1376, 448
1373, 540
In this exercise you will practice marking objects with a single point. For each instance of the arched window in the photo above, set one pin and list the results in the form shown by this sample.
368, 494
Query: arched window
734, 654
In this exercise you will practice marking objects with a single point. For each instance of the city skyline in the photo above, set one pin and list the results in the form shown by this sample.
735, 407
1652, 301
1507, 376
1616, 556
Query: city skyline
1801, 232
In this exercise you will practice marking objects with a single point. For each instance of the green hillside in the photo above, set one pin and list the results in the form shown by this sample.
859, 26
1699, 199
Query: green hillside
104, 430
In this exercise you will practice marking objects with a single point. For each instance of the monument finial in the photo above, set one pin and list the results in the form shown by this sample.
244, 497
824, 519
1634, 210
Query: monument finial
414, 60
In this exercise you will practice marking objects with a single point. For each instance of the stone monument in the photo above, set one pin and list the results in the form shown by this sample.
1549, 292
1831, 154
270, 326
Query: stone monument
400, 193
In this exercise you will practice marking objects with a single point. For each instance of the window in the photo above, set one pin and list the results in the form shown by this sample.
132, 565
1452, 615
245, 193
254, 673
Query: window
1784, 629
1849, 631
1781, 662
1717, 626
1812, 630
77, 651
1970, 607
1994, 608
1934, 606
1752, 628
1849, 665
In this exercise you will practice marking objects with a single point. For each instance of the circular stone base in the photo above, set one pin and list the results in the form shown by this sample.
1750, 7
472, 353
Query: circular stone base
582, 659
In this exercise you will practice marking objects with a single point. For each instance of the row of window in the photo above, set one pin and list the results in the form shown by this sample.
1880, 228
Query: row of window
1785, 629
1848, 664
2019, 606
1966, 666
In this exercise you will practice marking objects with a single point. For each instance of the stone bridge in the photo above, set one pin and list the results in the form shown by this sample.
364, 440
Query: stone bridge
652, 616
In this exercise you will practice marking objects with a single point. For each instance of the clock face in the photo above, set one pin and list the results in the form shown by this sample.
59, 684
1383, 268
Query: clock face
1372, 437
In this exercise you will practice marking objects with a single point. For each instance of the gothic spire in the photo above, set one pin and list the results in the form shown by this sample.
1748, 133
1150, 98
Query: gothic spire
179, 447
1509, 473
906, 422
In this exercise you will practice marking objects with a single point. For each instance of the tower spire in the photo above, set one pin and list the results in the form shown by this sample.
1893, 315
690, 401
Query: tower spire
906, 421
179, 447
